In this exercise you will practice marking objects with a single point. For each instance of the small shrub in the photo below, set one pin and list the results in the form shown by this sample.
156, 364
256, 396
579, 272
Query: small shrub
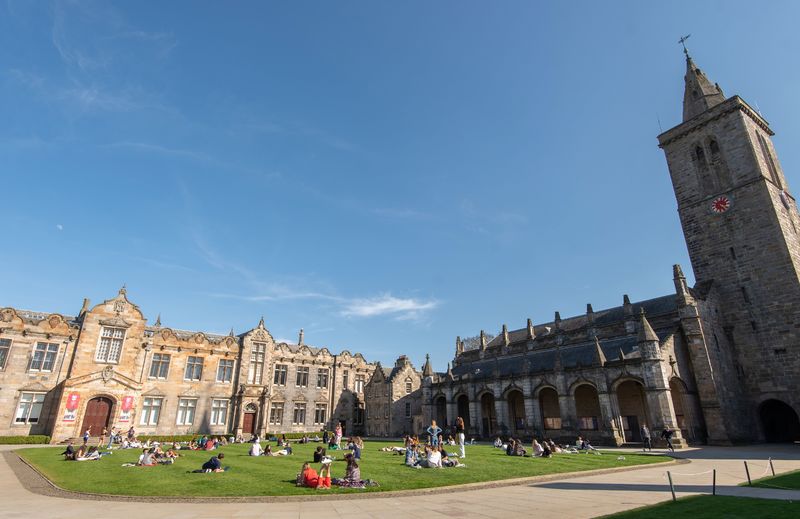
24, 440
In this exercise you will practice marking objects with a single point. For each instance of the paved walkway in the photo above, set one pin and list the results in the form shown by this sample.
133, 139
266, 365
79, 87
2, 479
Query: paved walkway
580, 497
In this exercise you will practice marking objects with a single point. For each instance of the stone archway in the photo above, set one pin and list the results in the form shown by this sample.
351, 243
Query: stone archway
632, 410
249, 418
489, 415
551, 411
516, 410
779, 421
462, 404
587, 407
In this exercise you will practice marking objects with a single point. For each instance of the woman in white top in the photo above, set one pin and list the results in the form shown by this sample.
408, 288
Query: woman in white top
538, 450
255, 449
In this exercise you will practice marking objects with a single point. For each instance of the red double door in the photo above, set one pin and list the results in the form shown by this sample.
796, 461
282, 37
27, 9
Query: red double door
97, 415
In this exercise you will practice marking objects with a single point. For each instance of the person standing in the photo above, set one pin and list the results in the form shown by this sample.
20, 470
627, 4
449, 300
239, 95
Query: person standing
434, 431
103, 436
460, 436
647, 442
87, 434
667, 434
339, 433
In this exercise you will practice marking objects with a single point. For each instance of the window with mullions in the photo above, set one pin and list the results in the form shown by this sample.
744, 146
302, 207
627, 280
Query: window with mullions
29, 408
186, 408
360, 381
5, 347
109, 346
225, 371
302, 377
256, 363
299, 414
276, 413
159, 366
151, 410
322, 378
219, 412
194, 368
320, 414
280, 374
44, 357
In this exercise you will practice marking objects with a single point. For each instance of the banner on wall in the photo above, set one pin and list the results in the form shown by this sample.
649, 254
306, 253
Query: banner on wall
73, 399
125, 409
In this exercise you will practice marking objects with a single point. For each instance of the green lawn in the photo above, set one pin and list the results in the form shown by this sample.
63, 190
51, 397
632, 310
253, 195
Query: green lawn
700, 507
271, 476
790, 480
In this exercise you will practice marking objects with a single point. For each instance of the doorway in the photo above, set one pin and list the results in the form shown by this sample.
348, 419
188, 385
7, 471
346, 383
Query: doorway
97, 415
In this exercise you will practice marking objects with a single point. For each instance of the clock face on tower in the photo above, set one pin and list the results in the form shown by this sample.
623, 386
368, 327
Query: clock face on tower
720, 204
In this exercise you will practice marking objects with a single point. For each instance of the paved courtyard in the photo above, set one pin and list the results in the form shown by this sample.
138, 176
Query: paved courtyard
579, 497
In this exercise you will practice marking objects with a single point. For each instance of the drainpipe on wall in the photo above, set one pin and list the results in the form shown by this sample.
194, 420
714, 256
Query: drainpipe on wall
333, 394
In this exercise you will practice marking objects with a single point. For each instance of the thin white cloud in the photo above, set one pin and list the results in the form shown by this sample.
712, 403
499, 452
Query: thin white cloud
386, 304
59, 227
162, 150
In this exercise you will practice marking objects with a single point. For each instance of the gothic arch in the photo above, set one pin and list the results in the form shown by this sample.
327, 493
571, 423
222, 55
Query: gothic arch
580, 381
511, 387
544, 385
625, 377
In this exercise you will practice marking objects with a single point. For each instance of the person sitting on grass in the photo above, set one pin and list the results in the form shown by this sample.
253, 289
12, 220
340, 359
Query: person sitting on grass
451, 440
268, 450
498, 443
352, 475
537, 448
554, 449
319, 454
255, 449
357, 446
510, 446
433, 459
309, 478
90, 455
286, 451
214, 464
411, 455
69, 452
146, 459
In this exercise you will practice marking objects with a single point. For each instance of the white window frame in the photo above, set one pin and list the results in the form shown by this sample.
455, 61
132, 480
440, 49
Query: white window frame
151, 410
5, 345
228, 370
276, 408
160, 365
299, 407
304, 372
323, 409
187, 410
26, 407
116, 339
361, 381
255, 371
46, 352
219, 411
409, 387
194, 364
323, 373
283, 369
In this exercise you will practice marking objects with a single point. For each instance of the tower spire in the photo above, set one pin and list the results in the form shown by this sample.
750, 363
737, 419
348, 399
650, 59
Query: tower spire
699, 93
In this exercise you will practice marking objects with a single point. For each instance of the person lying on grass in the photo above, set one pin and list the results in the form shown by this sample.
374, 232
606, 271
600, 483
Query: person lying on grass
214, 464
309, 478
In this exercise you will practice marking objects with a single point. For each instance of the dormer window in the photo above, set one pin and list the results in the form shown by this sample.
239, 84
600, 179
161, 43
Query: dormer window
109, 347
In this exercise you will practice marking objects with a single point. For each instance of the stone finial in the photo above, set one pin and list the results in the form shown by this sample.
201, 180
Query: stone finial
483, 340
646, 333
700, 94
427, 369
531, 332
506, 339
158, 321
261, 322
599, 356
85, 307
589, 312
459, 346
627, 307
123, 291
681, 288
557, 320
449, 370
300, 338
231, 334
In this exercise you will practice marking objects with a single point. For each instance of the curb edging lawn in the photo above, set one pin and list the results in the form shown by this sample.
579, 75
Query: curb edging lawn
36, 482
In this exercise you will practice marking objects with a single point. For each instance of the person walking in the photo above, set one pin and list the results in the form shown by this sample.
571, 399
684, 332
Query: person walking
460, 436
86, 435
667, 434
647, 442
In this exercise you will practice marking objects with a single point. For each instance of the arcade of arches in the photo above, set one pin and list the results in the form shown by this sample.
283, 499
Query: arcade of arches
611, 417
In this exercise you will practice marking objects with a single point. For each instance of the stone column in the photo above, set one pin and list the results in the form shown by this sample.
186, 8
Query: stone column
608, 418
475, 415
501, 415
566, 407
452, 407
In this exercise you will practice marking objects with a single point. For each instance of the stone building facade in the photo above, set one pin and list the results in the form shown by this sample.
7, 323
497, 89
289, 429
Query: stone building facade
720, 361
394, 399
107, 366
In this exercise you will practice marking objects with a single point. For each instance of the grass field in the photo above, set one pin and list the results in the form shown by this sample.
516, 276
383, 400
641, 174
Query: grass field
702, 507
273, 476
790, 480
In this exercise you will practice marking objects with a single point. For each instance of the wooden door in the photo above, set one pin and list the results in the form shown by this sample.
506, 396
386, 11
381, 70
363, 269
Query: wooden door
98, 415
248, 423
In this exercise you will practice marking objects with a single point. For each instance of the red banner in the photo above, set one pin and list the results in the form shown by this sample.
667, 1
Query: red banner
125, 409
73, 399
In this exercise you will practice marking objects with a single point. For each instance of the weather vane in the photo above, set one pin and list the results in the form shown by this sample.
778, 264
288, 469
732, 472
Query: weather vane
682, 41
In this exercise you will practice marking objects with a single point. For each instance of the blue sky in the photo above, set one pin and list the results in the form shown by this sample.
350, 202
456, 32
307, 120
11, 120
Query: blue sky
385, 175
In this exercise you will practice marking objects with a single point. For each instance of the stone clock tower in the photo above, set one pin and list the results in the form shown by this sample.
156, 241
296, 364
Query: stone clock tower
741, 227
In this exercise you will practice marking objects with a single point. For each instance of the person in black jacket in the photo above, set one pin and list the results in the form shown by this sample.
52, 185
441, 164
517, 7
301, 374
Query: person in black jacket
666, 435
